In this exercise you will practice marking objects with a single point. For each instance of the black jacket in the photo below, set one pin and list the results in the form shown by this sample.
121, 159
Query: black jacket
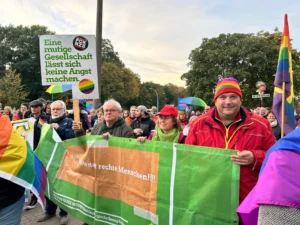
277, 132
26, 115
145, 123
37, 129
9, 193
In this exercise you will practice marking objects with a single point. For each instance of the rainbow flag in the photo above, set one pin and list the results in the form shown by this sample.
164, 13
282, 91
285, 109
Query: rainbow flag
18, 163
41, 123
284, 74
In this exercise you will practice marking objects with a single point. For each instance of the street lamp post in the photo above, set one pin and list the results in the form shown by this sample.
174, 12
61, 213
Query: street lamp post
157, 99
99, 47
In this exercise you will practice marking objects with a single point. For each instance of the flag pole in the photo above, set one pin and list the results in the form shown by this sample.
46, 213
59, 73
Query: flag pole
282, 109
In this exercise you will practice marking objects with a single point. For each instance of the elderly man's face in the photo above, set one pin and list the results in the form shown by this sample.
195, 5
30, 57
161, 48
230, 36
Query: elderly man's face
57, 110
111, 113
228, 105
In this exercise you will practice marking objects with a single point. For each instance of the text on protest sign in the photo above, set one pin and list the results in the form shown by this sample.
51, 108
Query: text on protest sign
70, 59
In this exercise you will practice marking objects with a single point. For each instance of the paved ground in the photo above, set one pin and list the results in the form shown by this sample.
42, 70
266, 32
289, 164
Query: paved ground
30, 217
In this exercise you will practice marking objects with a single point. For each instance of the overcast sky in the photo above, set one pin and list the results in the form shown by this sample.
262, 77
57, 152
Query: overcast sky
155, 37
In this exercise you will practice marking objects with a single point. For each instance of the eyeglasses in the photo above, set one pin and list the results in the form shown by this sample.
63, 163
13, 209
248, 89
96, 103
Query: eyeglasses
56, 109
109, 110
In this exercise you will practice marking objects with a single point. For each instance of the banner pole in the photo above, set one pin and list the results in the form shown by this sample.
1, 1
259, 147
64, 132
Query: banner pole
76, 110
282, 109
261, 101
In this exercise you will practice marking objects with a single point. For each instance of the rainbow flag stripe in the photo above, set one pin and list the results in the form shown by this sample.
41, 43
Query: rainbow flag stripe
18, 163
227, 84
86, 86
284, 73
41, 123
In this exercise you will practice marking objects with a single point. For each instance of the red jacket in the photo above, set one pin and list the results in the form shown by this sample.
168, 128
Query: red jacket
247, 132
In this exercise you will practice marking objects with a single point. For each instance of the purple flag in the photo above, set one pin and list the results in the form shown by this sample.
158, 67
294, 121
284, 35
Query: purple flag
278, 183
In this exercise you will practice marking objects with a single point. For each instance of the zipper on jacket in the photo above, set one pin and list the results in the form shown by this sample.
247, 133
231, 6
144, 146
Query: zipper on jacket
227, 130
227, 143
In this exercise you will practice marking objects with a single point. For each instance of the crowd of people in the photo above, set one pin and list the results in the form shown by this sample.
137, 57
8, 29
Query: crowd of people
227, 125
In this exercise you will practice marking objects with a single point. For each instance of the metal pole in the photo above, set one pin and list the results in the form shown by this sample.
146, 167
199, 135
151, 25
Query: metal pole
99, 47
157, 99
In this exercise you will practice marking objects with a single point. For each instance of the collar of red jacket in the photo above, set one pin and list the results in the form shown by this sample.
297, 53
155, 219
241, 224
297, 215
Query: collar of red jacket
244, 115
237, 118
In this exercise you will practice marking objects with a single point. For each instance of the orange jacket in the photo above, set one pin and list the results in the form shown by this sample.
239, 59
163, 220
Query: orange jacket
247, 132
128, 120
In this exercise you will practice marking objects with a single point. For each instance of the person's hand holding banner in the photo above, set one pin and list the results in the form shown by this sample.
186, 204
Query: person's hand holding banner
142, 139
243, 158
106, 135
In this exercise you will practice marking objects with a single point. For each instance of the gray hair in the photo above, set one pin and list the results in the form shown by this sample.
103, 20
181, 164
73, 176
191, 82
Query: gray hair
113, 102
63, 105
192, 118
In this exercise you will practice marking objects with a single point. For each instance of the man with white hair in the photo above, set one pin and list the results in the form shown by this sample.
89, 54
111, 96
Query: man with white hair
112, 124
63, 127
60, 122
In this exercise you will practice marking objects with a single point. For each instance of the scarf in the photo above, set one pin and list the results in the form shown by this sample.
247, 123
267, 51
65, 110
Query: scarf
105, 128
57, 120
172, 136
274, 123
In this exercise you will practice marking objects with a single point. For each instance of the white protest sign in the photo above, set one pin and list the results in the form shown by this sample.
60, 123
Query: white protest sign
25, 128
70, 59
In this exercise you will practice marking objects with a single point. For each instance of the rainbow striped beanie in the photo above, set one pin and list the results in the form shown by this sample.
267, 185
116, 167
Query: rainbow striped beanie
227, 85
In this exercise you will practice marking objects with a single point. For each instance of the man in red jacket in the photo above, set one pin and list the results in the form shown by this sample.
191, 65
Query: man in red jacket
230, 126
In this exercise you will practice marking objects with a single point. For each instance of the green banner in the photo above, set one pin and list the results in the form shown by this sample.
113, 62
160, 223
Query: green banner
121, 181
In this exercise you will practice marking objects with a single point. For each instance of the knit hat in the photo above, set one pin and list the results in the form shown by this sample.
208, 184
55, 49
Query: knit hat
228, 85
168, 110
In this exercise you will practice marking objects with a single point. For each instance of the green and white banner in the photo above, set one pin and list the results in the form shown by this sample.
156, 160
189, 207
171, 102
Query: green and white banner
121, 181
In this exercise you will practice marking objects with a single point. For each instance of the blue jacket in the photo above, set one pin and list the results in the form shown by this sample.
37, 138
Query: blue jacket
64, 130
